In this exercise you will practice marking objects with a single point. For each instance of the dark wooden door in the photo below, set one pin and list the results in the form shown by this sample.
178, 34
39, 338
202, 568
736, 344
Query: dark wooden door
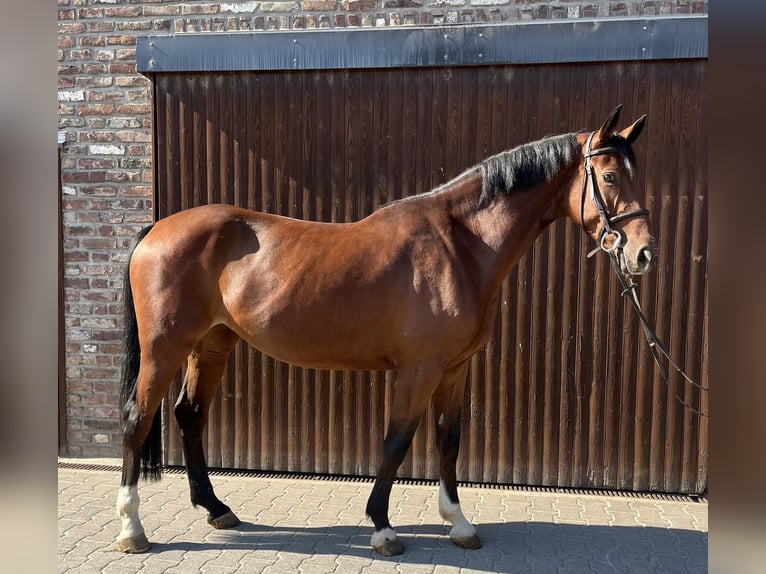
565, 392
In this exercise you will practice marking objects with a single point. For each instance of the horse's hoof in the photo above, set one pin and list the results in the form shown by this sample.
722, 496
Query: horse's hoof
133, 545
390, 548
228, 520
386, 543
471, 542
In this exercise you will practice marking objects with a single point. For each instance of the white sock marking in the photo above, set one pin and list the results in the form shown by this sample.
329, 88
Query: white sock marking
127, 510
450, 511
380, 536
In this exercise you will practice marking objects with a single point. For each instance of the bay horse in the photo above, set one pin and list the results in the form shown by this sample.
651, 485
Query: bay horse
412, 287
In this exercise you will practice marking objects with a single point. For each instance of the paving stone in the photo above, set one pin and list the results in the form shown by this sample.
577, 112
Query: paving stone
320, 526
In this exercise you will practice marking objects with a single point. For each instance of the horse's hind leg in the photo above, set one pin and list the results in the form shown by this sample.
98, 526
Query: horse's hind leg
203, 376
142, 436
448, 402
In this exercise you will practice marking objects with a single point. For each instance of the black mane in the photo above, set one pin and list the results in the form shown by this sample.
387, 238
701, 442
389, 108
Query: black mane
525, 166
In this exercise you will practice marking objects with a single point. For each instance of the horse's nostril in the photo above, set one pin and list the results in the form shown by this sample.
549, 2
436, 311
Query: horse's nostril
645, 258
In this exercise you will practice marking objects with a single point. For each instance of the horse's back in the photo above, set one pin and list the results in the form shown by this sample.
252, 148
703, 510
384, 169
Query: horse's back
351, 295
196, 223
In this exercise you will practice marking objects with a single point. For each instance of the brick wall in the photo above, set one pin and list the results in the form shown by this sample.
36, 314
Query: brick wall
105, 110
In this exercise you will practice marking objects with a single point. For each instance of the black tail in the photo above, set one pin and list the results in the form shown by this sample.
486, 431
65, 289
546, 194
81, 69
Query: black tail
151, 453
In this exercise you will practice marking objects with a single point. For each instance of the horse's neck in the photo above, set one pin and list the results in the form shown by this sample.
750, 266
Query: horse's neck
508, 226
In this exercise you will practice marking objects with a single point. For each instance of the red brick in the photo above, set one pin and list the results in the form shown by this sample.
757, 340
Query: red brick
122, 12
140, 218
189, 9
97, 374
74, 256
132, 81
70, 70
96, 110
358, 5
105, 55
101, 283
74, 55
162, 25
98, 81
133, 136
123, 40
75, 384
92, 41
76, 283
97, 26
131, 109
137, 150
100, 137
98, 191
126, 54
71, 27
73, 203
104, 296
137, 95
166, 10
401, 4
90, 13
122, 176
134, 25
95, 163
318, 5
104, 96
122, 68
95, 69
137, 191
75, 177
108, 348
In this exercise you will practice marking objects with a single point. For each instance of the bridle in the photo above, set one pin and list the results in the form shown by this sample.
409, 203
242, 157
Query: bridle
590, 183
611, 241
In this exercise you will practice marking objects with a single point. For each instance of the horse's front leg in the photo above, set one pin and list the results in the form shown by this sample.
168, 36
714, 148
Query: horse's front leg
205, 368
413, 389
448, 402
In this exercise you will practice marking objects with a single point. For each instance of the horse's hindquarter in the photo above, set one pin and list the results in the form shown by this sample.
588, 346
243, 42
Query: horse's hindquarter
369, 295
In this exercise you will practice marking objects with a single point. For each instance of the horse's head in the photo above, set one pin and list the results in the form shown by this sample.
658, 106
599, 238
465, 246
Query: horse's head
604, 198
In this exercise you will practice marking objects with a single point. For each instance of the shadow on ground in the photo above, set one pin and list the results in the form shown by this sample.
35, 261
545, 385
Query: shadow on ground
514, 547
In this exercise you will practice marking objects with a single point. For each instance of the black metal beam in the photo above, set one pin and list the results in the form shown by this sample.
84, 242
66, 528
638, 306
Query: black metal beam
536, 42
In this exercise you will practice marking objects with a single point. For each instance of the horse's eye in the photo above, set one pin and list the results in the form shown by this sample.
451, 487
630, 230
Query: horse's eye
609, 177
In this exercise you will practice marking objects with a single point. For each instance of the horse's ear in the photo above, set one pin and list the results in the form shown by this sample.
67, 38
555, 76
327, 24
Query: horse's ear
632, 132
607, 127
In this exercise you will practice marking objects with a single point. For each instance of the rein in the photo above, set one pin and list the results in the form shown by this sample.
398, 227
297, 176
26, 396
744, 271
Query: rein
617, 258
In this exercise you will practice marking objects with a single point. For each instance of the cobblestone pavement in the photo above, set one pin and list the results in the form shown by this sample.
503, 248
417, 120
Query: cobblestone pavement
315, 526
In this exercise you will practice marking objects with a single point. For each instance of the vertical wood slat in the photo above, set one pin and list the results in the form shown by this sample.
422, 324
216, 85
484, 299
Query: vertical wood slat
565, 393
